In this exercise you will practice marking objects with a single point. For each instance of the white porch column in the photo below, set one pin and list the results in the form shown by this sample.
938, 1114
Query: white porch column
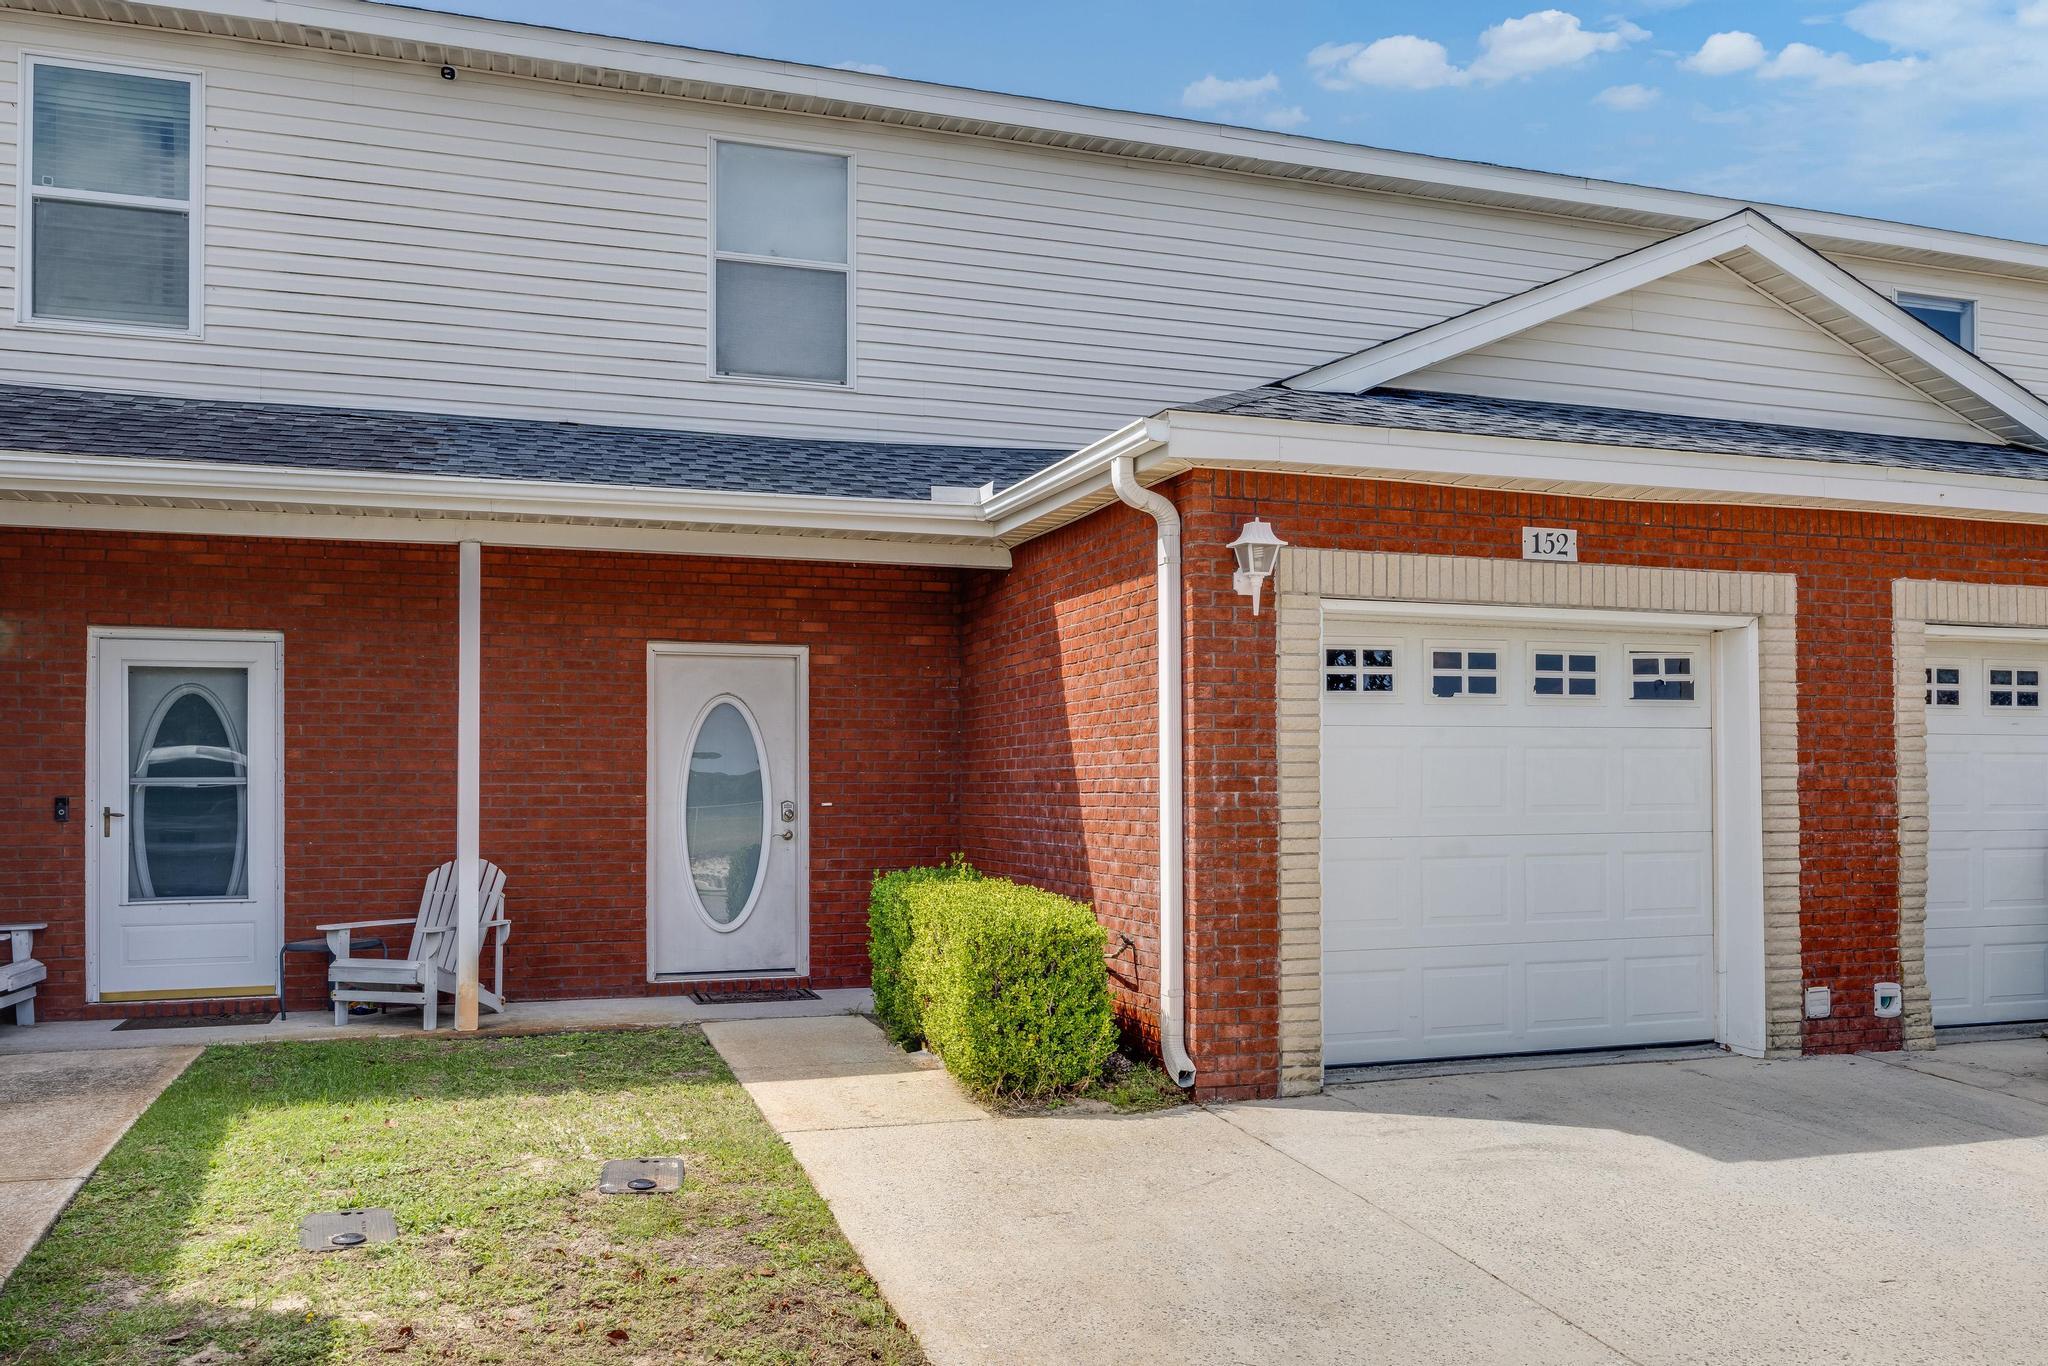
468, 778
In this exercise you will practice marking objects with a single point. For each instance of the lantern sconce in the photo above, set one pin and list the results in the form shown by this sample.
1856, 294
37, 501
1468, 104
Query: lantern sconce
1257, 551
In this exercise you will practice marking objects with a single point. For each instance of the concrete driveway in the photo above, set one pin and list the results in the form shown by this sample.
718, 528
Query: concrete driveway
1720, 1210
59, 1114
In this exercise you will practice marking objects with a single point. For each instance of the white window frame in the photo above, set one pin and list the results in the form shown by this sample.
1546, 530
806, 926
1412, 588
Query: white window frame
1905, 298
1503, 677
2015, 687
1395, 669
1961, 687
851, 267
1694, 673
192, 206
1567, 698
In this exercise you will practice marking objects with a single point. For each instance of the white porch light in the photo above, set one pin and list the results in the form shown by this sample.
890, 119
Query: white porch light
1257, 550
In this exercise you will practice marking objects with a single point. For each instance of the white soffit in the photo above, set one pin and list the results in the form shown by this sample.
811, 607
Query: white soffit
399, 33
1775, 264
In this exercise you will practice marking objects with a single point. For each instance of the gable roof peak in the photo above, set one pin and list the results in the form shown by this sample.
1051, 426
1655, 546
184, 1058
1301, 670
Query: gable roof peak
1771, 261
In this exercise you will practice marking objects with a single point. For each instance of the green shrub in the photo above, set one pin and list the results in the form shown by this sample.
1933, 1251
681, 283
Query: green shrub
889, 938
1010, 984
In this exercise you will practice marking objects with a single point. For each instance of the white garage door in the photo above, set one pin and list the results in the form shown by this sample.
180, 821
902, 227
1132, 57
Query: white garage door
1517, 841
1987, 846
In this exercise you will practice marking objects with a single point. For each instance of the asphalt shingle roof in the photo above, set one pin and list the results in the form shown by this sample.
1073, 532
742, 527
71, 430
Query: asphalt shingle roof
78, 422
1531, 420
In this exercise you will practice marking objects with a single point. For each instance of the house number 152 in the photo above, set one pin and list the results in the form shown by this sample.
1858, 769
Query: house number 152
1549, 543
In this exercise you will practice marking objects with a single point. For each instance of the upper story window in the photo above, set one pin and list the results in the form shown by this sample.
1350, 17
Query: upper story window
1955, 319
781, 286
110, 212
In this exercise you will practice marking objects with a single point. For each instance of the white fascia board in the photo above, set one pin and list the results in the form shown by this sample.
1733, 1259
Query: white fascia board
1574, 469
619, 62
1080, 477
262, 486
328, 526
1744, 231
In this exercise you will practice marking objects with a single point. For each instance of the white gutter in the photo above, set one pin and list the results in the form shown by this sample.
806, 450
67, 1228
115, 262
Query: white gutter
232, 484
1173, 1051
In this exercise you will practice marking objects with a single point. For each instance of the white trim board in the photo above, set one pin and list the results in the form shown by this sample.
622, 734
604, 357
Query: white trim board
1775, 264
430, 530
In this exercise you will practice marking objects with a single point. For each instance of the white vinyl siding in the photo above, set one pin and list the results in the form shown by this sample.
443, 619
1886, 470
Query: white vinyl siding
109, 210
1703, 343
377, 236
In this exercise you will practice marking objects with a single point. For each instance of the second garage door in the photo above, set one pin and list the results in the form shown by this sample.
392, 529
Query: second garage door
1987, 842
1517, 841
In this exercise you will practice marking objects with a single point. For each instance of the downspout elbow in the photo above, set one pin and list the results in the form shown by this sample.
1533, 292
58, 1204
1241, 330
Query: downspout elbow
1173, 1052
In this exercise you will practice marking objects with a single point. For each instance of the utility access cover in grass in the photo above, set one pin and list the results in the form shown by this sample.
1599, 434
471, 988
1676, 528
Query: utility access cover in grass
185, 1245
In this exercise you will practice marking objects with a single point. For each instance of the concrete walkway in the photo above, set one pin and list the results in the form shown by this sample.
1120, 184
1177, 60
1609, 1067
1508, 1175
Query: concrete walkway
1725, 1210
59, 1115
523, 1017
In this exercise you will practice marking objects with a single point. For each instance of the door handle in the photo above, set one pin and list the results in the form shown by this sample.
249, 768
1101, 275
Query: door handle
787, 833
108, 815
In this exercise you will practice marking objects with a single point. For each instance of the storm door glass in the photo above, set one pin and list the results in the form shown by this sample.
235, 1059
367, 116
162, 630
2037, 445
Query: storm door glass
188, 783
725, 813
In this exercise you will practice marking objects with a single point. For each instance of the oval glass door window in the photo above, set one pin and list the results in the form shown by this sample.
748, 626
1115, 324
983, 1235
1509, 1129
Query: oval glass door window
188, 800
725, 813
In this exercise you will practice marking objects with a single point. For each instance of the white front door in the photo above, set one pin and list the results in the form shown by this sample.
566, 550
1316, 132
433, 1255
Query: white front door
1987, 839
726, 838
1518, 840
183, 821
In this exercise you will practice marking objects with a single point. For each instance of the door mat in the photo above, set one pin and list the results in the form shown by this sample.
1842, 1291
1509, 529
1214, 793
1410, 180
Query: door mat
194, 1021
741, 998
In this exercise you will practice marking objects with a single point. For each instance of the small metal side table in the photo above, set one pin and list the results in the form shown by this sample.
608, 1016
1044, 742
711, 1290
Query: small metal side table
317, 946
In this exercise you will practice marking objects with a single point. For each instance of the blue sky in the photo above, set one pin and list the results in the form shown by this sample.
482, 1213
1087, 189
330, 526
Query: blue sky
1930, 111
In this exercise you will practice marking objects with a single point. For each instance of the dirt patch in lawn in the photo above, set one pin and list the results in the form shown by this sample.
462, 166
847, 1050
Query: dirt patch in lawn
183, 1247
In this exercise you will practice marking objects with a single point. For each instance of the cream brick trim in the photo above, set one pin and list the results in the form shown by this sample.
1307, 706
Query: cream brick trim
1917, 604
1305, 578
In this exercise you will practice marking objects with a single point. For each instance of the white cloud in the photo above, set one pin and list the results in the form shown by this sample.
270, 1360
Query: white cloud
1404, 62
1627, 98
868, 68
1543, 40
1540, 41
1803, 61
1213, 90
1292, 116
1724, 54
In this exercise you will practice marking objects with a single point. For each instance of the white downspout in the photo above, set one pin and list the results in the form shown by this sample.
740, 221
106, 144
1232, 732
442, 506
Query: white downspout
1173, 1050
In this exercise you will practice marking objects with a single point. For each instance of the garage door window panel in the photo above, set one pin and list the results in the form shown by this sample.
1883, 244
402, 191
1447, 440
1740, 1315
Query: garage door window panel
1662, 676
1945, 685
1466, 671
1564, 673
1367, 670
2012, 686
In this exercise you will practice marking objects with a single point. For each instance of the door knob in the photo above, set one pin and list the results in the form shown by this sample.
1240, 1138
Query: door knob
108, 815
787, 833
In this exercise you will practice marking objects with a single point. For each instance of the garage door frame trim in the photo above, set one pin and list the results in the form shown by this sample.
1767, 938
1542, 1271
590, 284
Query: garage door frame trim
1924, 610
1752, 618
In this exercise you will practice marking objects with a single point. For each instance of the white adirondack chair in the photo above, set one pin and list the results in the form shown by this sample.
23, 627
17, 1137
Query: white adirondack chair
428, 967
19, 975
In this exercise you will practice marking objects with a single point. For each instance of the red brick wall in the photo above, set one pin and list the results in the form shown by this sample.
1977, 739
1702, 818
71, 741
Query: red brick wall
1060, 779
565, 672
370, 721
369, 713
1845, 563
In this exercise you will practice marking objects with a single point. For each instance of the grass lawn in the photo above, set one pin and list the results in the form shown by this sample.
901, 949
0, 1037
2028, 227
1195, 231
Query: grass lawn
184, 1247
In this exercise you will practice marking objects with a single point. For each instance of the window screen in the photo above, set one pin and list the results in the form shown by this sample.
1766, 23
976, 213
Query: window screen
780, 275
